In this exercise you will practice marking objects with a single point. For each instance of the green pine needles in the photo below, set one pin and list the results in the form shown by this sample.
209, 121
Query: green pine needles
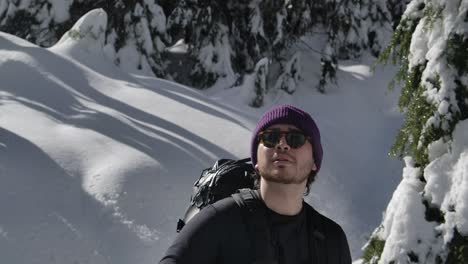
415, 136
75, 34
373, 250
411, 101
434, 99
458, 249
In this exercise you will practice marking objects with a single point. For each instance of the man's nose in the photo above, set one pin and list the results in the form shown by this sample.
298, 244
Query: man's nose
282, 144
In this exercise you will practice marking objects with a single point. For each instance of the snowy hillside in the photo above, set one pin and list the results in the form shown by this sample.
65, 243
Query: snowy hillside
96, 165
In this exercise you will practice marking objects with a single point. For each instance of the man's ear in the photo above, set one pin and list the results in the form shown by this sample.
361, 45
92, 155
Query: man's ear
256, 167
314, 167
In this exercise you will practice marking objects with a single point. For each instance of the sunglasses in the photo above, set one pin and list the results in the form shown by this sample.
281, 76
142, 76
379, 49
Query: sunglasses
294, 138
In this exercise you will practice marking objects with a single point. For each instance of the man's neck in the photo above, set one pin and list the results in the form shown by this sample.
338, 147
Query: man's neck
285, 199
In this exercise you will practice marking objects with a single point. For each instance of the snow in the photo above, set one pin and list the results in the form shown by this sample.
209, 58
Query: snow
447, 183
413, 10
159, 19
443, 107
142, 32
180, 47
279, 28
97, 164
460, 24
130, 60
437, 149
256, 21
88, 32
291, 75
216, 57
429, 44
404, 227
59, 10
90, 155
418, 46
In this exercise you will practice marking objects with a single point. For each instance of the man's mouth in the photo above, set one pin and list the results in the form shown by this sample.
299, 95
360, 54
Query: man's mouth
282, 160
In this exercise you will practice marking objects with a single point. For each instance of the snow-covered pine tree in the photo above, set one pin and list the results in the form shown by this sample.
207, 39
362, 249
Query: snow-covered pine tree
137, 35
257, 29
260, 82
38, 21
426, 220
328, 64
179, 19
396, 9
356, 25
238, 34
352, 26
209, 45
291, 75
136, 29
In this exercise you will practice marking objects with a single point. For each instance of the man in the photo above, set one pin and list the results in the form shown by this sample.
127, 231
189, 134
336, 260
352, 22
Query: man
287, 154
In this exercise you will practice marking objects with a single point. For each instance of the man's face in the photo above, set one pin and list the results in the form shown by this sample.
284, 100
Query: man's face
283, 164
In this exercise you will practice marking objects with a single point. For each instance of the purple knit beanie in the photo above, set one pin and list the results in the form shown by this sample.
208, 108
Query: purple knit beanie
288, 114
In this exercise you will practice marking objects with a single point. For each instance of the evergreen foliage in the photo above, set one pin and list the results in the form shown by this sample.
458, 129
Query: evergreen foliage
231, 36
352, 26
396, 9
328, 65
291, 75
257, 29
138, 25
35, 20
373, 250
433, 57
355, 25
457, 249
260, 82
411, 100
225, 38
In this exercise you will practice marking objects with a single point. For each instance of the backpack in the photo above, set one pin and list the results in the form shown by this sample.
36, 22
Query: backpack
221, 180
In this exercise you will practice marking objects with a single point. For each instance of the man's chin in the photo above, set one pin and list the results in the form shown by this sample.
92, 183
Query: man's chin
282, 179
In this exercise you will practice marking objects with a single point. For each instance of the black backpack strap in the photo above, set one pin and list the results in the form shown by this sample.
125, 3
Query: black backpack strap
247, 198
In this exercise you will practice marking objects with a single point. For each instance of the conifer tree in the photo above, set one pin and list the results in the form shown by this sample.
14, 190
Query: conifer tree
431, 46
356, 25
260, 82
225, 38
231, 36
37, 21
291, 75
136, 27
352, 27
255, 29
396, 9
179, 20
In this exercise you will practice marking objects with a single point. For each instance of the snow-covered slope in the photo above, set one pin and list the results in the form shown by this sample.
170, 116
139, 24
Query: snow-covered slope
92, 162
96, 165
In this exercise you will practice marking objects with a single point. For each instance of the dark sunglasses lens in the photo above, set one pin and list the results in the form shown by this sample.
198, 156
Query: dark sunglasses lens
295, 139
270, 139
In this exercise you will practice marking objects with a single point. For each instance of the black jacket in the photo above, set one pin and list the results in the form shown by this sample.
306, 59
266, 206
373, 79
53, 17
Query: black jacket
221, 234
